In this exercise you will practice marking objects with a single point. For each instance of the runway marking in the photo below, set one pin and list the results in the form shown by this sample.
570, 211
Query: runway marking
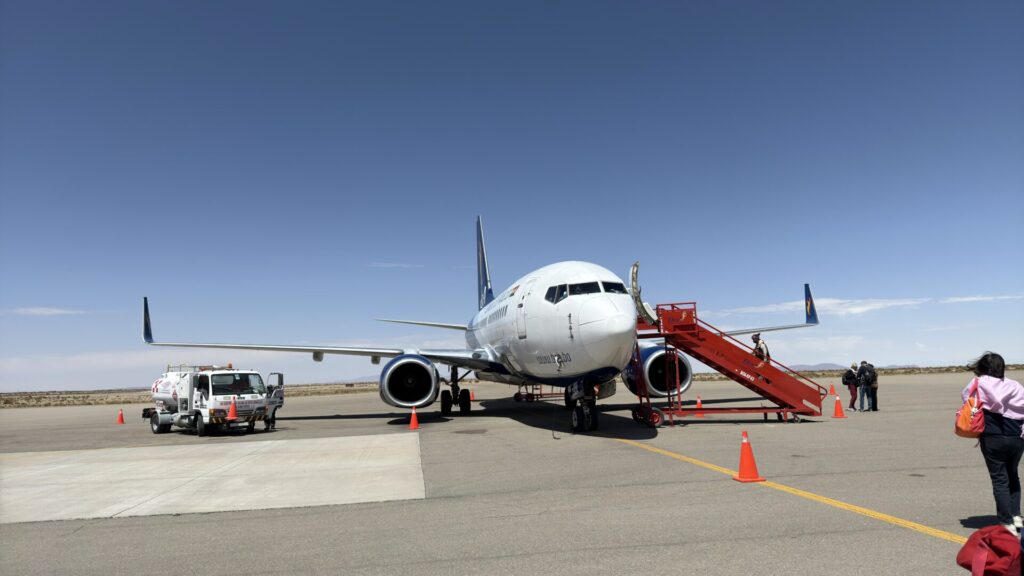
934, 532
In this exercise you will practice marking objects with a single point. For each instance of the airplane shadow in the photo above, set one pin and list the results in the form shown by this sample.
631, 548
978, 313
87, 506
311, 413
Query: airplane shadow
975, 522
554, 417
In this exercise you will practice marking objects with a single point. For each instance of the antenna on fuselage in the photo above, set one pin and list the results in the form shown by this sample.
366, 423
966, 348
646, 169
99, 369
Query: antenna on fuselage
483, 273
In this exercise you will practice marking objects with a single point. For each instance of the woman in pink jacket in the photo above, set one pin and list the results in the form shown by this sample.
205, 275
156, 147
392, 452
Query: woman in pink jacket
1002, 400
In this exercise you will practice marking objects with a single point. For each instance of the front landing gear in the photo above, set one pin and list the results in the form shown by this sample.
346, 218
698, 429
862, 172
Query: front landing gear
583, 406
456, 394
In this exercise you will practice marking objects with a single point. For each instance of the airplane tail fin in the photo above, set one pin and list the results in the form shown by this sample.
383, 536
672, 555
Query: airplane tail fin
147, 327
812, 314
483, 273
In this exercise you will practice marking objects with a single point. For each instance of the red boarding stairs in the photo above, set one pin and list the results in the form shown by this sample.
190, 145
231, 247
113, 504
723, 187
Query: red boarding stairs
792, 393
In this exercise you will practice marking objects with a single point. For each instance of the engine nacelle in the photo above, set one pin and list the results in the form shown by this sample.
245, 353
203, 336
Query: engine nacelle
409, 381
658, 365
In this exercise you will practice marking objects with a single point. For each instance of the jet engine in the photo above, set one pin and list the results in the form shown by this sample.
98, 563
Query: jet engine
408, 381
658, 367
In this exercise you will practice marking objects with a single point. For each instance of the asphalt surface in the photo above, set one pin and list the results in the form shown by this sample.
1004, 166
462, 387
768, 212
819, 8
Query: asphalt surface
509, 491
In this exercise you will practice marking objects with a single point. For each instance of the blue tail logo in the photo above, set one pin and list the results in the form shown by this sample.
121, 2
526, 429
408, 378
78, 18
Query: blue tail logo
812, 314
483, 273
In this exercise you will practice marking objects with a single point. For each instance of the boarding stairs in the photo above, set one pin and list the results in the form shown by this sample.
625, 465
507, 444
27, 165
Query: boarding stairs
791, 393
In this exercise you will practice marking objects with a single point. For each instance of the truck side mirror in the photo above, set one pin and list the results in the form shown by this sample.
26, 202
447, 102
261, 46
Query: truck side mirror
277, 382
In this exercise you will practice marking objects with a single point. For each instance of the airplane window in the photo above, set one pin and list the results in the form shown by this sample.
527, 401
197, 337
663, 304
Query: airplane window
584, 288
614, 287
561, 293
550, 294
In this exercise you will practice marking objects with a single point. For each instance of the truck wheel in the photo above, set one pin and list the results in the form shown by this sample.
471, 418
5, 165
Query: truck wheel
200, 425
156, 426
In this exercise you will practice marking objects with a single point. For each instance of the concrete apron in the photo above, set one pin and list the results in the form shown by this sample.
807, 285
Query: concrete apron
144, 481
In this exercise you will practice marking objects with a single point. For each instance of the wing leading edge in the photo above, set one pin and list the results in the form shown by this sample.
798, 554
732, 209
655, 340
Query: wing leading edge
472, 359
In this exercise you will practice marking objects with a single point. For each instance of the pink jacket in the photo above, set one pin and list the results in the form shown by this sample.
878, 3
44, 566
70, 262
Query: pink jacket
1005, 397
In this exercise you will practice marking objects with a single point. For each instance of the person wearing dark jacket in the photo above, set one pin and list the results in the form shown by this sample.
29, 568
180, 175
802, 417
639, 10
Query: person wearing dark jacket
1002, 401
850, 381
873, 387
864, 386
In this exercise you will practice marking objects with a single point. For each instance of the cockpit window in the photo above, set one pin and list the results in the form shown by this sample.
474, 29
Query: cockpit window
584, 288
550, 294
556, 294
614, 287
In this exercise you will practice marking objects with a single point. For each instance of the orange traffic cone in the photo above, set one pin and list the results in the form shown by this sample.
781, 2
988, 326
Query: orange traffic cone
700, 406
414, 422
839, 409
120, 416
233, 411
831, 390
748, 468
472, 396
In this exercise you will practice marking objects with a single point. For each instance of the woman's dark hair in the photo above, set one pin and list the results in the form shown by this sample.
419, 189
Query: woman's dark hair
990, 364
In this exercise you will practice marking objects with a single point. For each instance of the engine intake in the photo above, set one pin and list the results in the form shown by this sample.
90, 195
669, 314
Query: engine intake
659, 367
409, 381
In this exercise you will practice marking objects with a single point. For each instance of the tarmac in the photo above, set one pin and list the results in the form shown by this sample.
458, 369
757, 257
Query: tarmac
342, 486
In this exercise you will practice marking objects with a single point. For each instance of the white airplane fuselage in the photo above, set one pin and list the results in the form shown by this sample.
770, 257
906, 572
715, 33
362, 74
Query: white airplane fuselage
563, 323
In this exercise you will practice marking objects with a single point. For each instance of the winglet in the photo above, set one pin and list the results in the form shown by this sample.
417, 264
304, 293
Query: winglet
147, 328
812, 314
483, 274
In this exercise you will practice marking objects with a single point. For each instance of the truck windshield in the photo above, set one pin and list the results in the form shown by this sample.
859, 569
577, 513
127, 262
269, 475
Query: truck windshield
236, 384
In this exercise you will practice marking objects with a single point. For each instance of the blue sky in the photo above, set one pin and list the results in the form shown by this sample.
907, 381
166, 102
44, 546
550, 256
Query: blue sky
278, 172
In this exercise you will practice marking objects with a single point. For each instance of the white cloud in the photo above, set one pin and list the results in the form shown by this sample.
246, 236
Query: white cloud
961, 299
393, 265
920, 347
43, 311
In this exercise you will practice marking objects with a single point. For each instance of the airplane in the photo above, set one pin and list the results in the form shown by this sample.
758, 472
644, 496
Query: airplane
570, 324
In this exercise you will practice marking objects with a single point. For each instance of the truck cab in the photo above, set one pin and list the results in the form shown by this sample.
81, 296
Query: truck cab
202, 398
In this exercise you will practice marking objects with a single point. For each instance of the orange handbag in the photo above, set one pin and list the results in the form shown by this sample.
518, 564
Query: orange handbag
970, 420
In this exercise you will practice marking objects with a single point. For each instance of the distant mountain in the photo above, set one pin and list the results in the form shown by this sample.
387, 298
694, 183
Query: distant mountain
817, 367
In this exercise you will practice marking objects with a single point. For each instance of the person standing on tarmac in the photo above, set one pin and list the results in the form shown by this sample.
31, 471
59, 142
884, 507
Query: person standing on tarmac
864, 386
873, 386
1002, 401
850, 381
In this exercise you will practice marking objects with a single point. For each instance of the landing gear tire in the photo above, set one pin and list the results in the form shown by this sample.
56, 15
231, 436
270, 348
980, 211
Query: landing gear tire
200, 425
569, 402
530, 397
465, 404
637, 416
156, 426
446, 403
518, 396
592, 420
579, 419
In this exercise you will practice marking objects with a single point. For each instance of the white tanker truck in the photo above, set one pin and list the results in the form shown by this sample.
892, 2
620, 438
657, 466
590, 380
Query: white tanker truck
198, 399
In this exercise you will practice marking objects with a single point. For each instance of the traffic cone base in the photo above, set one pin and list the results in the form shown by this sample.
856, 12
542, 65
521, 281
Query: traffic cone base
233, 411
839, 409
120, 416
700, 406
414, 422
748, 467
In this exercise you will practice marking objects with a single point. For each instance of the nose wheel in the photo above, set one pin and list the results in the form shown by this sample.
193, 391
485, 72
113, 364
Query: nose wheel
583, 406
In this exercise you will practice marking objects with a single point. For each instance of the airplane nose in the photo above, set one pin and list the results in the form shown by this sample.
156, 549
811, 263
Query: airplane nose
608, 331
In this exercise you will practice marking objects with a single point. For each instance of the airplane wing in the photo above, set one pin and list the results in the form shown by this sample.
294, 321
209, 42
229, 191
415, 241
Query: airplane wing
462, 327
811, 318
472, 359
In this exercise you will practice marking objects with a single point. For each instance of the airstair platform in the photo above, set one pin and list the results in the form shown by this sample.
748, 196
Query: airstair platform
791, 394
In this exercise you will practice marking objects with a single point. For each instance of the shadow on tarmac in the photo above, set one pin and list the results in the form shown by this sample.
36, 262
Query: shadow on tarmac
975, 522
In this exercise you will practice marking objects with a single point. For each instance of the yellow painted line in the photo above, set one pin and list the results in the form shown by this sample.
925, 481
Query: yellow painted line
934, 532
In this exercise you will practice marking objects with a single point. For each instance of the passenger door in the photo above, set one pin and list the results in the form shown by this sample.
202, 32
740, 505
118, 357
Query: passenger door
521, 309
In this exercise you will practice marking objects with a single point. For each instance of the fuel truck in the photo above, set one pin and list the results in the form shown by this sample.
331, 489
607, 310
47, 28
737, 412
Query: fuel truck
199, 398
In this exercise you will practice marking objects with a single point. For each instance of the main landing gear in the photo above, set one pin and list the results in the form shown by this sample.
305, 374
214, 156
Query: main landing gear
583, 406
448, 397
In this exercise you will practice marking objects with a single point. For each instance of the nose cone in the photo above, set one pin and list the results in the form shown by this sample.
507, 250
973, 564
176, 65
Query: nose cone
608, 330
